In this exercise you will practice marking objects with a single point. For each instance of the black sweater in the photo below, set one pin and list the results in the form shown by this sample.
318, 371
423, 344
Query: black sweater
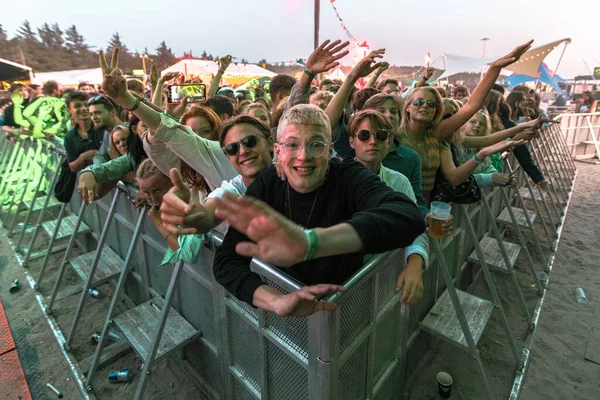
383, 219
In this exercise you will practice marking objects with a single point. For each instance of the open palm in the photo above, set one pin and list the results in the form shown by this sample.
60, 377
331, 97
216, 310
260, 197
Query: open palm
276, 240
513, 56
326, 56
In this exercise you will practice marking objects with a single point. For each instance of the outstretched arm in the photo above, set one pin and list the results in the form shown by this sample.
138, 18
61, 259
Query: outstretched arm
363, 68
224, 63
373, 80
447, 127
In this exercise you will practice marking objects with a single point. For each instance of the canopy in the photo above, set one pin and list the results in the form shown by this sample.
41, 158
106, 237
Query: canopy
529, 63
236, 74
545, 76
70, 78
12, 70
336, 74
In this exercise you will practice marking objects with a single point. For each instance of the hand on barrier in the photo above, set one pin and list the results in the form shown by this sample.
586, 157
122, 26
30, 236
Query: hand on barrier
505, 145
276, 240
325, 56
303, 302
500, 179
88, 187
411, 281
179, 217
513, 56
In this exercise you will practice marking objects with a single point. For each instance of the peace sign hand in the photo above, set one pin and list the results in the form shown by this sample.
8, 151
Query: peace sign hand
513, 56
325, 56
113, 82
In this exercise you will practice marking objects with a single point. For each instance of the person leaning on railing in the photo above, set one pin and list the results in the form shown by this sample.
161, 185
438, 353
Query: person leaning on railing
317, 224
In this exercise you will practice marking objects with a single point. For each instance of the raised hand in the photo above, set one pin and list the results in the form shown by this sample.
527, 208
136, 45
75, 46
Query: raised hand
428, 73
505, 145
154, 75
513, 56
224, 63
113, 82
178, 216
276, 239
326, 55
367, 64
303, 302
177, 109
167, 76
384, 65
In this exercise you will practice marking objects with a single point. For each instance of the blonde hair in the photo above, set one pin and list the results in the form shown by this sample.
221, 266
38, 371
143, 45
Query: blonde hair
112, 149
485, 123
321, 95
458, 137
258, 106
148, 169
305, 114
439, 110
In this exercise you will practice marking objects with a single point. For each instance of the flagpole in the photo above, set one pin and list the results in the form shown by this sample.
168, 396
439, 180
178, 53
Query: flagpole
567, 42
317, 18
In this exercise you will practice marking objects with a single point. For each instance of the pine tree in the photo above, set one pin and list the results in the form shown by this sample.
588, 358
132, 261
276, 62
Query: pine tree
26, 33
164, 56
3, 36
115, 41
74, 41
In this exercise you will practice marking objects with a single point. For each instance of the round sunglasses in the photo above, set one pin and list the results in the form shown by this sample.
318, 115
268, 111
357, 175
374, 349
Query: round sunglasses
381, 135
249, 142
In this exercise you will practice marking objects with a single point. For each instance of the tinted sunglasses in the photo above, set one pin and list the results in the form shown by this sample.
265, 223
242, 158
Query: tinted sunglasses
420, 102
249, 142
381, 135
101, 100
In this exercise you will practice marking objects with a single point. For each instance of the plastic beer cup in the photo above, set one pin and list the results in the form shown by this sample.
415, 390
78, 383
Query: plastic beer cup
440, 212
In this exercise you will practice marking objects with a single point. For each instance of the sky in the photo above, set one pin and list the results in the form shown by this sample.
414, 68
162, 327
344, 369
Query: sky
282, 30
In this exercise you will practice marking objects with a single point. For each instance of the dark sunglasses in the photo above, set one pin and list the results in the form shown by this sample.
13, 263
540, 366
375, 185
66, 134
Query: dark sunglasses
420, 102
102, 100
381, 135
249, 142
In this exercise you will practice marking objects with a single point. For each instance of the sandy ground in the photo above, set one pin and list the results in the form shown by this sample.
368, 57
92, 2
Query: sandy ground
558, 369
39, 353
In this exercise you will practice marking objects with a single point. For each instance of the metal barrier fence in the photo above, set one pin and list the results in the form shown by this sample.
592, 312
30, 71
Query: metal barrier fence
363, 349
582, 134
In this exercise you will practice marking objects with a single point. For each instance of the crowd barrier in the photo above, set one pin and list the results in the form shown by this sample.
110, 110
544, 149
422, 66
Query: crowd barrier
582, 134
371, 346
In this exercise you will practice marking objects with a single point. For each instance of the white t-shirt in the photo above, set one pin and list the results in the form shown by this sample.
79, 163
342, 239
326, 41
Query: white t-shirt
234, 186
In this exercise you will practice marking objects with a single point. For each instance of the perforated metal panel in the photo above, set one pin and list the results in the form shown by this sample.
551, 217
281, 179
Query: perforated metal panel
197, 307
385, 342
353, 375
287, 380
206, 363
354, 314
244, 346
388, 275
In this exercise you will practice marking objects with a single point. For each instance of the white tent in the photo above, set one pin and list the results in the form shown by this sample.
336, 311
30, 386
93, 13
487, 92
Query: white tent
529, 63
336, 74
73, 77
236, 73
456, 64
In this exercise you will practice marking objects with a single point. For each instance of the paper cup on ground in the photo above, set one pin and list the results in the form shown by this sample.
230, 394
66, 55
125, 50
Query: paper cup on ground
444, 381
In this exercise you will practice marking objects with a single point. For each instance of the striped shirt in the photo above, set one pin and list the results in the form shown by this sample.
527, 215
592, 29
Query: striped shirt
428, 148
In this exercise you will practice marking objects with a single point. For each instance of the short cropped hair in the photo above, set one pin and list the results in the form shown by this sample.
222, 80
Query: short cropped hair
148, 169
326, 82
281, 84
50, 87
75, 96
243, 119
360, 97
220, 104
305, 114
382, 84
377, 100
321, 95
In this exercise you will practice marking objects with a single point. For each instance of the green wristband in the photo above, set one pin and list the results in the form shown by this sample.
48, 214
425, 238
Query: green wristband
312, 244
477, 160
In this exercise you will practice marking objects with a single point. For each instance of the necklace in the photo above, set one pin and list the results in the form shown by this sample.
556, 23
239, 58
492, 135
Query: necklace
311, 210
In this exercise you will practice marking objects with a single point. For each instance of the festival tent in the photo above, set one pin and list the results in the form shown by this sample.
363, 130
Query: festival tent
455, 64
12, 70
336, 74
70, 78
530, 62
236, 74
545, 76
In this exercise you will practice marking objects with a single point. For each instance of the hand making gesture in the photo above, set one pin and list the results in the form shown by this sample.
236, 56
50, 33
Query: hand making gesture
326, 56
367, 65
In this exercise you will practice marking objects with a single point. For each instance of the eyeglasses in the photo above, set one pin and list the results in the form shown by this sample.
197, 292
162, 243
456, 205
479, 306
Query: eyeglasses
315, 149
420, 102
249, 142
381, 135
102, 100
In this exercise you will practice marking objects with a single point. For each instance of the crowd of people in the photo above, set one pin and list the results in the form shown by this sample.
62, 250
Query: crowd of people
310, 175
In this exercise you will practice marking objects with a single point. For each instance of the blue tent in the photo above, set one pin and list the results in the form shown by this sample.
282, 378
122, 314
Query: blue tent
545, 76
